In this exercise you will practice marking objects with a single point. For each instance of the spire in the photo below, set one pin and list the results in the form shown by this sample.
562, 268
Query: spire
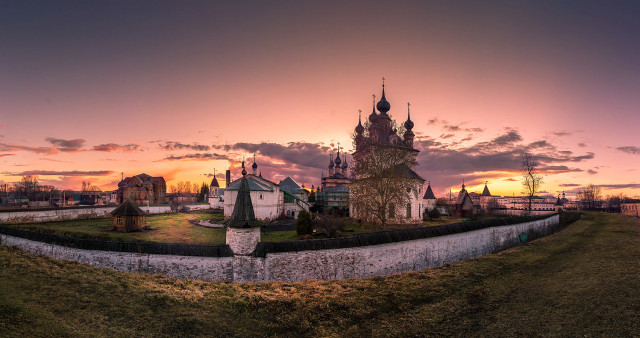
428, 195
344, 166
243, 215
463, 184
214, 181
338, 161
244, 171
383, 105
486, 192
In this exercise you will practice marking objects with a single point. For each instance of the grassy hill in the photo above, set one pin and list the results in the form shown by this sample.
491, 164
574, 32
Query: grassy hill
582, 281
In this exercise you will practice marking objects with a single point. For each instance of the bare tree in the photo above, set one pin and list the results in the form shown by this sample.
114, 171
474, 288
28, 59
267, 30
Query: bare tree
379, 190
531, 179
87, 186
589, 196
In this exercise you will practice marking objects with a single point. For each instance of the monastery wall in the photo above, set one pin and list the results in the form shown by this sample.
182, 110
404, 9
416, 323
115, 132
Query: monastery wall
326, 264
66, 214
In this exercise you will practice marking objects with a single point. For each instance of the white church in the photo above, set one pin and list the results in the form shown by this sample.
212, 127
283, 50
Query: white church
270, 200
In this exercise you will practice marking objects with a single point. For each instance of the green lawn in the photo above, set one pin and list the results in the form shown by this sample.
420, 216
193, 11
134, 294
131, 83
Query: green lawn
166, 228
582, 281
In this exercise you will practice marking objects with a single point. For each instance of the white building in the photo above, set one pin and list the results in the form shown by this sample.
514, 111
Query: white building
270, 200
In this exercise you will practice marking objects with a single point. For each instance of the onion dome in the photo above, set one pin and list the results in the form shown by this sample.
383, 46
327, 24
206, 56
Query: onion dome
373, 116
408, 124
383, 105
338, 161
344, 164
254, 165
244, 171
359, 127
331, 165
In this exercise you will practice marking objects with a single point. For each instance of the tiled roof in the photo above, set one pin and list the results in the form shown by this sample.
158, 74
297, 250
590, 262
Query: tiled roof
428, 195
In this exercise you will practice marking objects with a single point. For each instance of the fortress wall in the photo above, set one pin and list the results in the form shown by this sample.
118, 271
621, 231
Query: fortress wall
328, 264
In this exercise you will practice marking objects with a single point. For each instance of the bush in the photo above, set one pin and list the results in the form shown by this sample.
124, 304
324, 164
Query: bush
434, 214
304, 225
330, 225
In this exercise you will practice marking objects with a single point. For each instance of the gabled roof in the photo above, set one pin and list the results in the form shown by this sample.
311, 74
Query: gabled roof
214, 183
127, 209
403, 171
254, 184
290, 186
428, 195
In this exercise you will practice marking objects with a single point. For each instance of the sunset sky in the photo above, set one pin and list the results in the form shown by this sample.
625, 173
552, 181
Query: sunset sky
90, 89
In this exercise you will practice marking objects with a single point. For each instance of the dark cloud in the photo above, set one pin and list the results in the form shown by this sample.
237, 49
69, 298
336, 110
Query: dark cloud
446, 136
582, 145
509, 138
592, 172
562, 133
558, 169
66, 145
630, 150
510, 179
108, 147
568, 185
61, 173
170, 145
197, 157
16, 147
4, 155
314, 155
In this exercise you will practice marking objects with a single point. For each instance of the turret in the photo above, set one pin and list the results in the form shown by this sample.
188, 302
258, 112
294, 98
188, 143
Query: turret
254, 166
408, 125
331, 165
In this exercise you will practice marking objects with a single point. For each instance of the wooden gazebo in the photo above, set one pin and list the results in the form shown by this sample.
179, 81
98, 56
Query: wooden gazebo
128, 217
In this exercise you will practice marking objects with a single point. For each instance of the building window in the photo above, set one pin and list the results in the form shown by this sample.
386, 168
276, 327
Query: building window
261, 197
119, 220
408, 210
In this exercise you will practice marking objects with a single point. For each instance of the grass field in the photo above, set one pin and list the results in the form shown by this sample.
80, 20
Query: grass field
582, 281
166, 228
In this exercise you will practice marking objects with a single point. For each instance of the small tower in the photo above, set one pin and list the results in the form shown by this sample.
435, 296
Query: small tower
243, 230
486, 192
338, 162
331, 165
408, 125
373, 122
254, 166
214, 186
345, 166
359, 131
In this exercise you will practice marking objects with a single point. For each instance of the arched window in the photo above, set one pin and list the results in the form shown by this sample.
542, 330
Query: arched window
408, 210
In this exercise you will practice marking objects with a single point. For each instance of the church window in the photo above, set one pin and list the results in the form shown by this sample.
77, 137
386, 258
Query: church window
408, 210
261, 197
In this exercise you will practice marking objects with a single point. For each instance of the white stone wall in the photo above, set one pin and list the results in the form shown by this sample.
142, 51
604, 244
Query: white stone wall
63, 214
243, 241
185, 267
357, 262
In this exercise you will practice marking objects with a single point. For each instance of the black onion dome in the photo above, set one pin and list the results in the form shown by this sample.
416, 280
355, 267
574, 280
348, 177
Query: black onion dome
373, 116
254, 165
408, 123
359, 127
338, 161
383, 105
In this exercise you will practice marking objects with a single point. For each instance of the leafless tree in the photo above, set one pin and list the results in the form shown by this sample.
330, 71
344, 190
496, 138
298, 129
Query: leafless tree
531, 178
379, 190
87, 186
589, 196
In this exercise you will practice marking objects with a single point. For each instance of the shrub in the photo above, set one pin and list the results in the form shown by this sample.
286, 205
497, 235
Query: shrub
330, 225
434, 214
304, 224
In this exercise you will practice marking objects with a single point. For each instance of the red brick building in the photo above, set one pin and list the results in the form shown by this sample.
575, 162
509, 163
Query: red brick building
142, 189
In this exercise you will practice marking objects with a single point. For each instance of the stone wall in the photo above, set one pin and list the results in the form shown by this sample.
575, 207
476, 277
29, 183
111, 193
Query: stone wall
326, 264
66, 214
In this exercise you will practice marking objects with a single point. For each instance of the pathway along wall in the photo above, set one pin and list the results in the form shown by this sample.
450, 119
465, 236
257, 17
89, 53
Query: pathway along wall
265, 264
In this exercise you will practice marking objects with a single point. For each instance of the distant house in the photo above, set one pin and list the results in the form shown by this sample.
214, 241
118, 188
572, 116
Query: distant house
630, 209
464, 205
182, 197
142, 189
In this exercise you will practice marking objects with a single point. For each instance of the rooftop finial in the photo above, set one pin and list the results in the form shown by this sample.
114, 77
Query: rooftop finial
463, 183
244, 171
383, 105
